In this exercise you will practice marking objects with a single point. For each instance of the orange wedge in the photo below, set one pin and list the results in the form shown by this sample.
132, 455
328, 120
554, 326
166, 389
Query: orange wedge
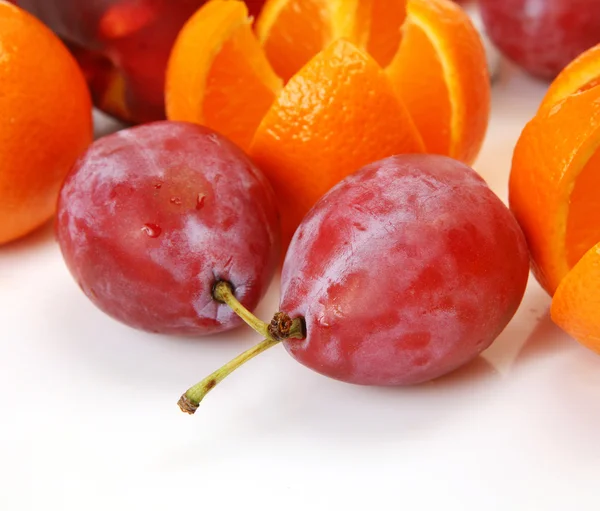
581, 74
377, 28
576, 302
337, 114
441, 74
218, 74
294, 31
555, 182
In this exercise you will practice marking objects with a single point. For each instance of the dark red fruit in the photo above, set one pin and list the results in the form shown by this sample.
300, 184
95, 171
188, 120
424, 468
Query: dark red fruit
542, 36
151, 217
403, 272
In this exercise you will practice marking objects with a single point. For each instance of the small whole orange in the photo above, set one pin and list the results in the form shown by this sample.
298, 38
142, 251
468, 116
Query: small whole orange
45, 120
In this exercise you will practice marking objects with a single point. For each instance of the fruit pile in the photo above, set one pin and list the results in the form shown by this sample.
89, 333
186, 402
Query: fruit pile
335, 136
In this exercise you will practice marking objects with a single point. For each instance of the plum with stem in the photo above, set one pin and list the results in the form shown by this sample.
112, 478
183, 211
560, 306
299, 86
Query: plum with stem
152, 216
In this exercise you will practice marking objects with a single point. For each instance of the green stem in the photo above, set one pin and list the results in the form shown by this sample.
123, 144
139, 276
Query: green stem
282, 327
223, 292
190, 401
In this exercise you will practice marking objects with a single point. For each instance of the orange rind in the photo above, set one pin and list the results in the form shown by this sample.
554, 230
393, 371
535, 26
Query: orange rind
337, 114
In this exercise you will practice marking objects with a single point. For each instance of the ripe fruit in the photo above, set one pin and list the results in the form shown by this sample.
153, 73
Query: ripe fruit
204, 86
553, 185
123, 47
152, 216
441, 67
45, 123
338, 113
401, 273
542, 36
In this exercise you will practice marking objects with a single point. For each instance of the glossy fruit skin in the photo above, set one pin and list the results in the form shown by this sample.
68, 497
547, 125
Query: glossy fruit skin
403, 272
152, 216
127, 40
542, 36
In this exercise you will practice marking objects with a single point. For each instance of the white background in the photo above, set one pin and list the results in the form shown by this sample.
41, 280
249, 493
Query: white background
88, 415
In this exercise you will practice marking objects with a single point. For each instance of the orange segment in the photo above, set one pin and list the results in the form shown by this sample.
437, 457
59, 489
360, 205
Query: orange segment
554, 185
337, 114
218, 74
441, 74
576, 302
293, 31
581, 74
385, 31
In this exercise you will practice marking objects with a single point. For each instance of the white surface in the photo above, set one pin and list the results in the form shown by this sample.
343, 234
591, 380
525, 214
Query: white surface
89, 420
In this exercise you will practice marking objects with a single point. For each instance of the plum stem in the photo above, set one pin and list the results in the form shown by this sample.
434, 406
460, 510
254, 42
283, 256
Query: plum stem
282, 327
190, 401
223, 292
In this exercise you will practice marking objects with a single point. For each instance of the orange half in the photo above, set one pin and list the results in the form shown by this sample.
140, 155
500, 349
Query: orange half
441, 74
337, 114
218, 74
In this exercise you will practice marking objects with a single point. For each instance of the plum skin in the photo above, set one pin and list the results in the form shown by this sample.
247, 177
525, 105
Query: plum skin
151, 217
542, 36
403, 272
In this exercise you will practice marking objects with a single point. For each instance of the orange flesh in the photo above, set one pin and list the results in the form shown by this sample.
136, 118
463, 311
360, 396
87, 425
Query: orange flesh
385, 34
416, 75
236, 98
583, 223
310, 33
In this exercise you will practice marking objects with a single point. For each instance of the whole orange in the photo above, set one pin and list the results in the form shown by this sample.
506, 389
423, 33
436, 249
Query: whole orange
45, 120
